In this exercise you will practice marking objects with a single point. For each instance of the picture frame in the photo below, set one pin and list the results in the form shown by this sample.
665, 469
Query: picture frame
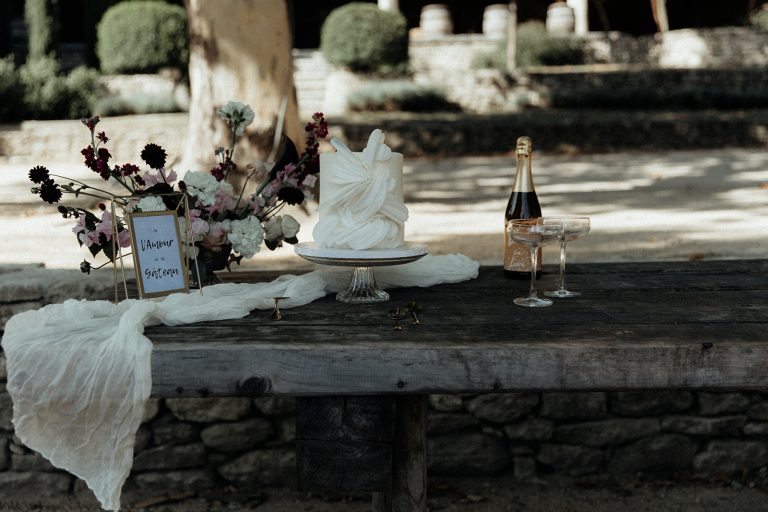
159, 260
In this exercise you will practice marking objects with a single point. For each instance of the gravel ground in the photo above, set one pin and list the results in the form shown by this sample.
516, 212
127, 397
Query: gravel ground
644, 206
497, 494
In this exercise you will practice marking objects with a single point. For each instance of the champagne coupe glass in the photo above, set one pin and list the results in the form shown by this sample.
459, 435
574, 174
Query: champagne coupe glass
572, 228
534, 234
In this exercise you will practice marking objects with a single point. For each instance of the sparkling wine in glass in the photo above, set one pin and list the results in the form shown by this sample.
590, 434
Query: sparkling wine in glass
534, 234
571, 228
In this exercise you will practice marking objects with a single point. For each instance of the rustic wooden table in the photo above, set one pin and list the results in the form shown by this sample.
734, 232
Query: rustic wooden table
688, 325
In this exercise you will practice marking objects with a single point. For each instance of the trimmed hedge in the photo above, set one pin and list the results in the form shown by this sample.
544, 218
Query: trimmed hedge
399, 96
11, 92
363, 38
38, 91
535, 47
41, 17
142, 37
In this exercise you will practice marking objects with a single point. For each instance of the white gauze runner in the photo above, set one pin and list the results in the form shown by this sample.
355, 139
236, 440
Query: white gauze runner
79, 373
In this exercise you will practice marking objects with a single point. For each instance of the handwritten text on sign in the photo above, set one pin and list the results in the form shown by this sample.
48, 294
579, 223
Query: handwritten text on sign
159, 266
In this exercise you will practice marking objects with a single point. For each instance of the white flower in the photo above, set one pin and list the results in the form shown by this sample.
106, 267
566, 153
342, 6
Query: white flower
246, 235
204, 186
151, 204
273, 228
290, 226
237, 115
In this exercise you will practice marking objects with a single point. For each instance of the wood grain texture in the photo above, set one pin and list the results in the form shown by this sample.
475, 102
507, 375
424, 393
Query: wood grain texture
700, 325
409, 469
345, 443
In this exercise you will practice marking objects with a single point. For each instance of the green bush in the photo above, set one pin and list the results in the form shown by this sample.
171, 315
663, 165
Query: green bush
759, 19
139, 104
399, 96
362, 37
142, 37
496, 59
11, 92
41, 17
535, 47
49, 95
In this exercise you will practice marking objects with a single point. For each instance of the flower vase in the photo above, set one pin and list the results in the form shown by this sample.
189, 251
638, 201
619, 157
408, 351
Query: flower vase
209, 260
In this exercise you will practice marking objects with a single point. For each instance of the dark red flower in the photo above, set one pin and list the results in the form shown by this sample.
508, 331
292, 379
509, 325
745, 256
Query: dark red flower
90, 122
38, 174
50, 191
138, 179
154, 155
219, 172
128, 169
102, 136
90, 157
291, 195
104, 154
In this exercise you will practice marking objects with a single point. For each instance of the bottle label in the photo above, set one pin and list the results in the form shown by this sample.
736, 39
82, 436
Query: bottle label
517, 256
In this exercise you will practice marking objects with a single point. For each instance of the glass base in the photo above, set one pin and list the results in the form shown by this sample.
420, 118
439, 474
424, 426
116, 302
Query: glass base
562, 294
362, 288
532, 302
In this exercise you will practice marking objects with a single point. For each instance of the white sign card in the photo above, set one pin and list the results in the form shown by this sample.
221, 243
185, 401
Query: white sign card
160, 268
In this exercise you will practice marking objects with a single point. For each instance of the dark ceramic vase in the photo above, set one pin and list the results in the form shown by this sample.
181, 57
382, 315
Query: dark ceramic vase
208, 262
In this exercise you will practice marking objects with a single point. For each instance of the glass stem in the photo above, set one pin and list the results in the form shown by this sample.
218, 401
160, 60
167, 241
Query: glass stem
534, 260
562, 265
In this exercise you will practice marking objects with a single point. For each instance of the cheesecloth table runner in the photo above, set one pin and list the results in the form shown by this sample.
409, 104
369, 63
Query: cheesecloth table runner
79, 373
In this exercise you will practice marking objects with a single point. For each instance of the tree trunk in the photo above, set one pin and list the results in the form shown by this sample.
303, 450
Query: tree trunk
659, 8
238, 50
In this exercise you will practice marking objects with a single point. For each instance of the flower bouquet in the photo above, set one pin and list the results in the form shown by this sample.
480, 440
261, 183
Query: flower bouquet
222, 218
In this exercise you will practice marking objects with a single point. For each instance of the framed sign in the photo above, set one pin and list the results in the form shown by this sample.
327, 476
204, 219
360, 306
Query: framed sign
157, 253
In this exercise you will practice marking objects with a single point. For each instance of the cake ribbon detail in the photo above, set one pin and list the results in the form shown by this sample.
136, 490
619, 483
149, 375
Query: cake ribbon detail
363, 210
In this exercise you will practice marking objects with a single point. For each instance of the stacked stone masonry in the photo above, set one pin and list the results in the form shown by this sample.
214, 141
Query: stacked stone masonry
197, 443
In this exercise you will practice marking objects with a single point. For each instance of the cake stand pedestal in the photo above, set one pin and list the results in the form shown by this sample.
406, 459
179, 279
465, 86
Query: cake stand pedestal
362, 287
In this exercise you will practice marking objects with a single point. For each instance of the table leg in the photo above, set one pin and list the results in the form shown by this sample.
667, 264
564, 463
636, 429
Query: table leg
409, 459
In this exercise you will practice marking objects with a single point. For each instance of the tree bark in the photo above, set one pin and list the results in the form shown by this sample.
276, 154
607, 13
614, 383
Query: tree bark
659, 8
238, 50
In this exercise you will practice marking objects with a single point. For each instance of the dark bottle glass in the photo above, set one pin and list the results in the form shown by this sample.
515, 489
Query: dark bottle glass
523, 204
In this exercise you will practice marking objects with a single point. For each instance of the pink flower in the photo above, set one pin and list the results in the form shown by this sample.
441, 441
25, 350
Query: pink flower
153, 178
223, 201
198, 225
124, 238
256, 203
285, 172
216, 237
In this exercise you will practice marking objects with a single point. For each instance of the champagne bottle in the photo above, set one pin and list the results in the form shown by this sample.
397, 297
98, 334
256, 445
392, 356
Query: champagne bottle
523, 204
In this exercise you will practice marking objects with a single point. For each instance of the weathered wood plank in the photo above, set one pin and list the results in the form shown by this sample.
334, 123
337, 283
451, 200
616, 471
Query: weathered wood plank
656, 325
409, 469
345, 443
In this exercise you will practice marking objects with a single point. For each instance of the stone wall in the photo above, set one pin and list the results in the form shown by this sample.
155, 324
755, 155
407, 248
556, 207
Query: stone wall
242, 443
721, 47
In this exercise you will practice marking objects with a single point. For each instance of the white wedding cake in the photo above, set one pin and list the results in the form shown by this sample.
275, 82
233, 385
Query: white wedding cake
361, 197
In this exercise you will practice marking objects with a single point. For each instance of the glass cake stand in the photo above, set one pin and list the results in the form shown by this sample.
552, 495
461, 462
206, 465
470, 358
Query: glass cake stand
362, 287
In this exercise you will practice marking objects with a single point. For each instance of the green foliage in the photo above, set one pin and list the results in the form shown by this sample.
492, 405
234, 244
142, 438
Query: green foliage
142, 37
41, 17
496, 59
399, 96
362, 37
535, 47
11, 92
50, 95
759, 19
139, 104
